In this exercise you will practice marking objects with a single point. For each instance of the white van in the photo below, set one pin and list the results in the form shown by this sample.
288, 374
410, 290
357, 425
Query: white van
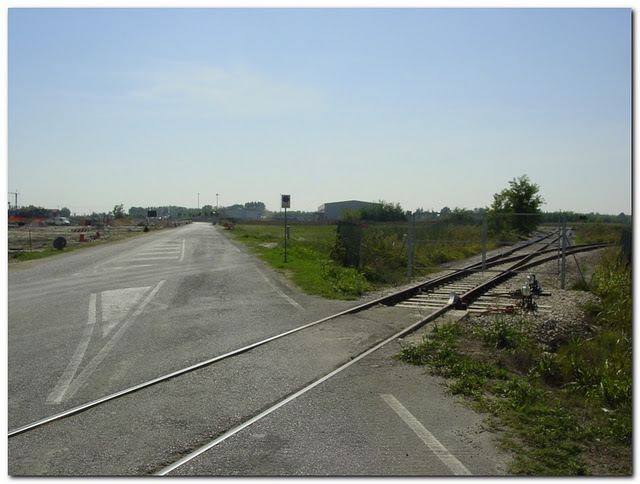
58, 221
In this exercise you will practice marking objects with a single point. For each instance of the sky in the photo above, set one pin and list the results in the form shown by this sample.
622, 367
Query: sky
425, 107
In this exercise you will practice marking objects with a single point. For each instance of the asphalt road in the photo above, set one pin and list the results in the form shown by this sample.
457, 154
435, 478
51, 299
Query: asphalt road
92, 322
89, 323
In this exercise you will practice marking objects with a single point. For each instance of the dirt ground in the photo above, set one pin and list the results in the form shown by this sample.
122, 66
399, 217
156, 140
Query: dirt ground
38, 237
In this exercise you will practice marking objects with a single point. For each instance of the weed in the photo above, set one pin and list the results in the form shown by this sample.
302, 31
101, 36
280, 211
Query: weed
308, 265
502, 335
549, 427
595, 233
469, 384
549, 369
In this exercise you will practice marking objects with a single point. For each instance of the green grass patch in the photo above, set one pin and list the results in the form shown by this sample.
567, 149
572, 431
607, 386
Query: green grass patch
23, 256
551, 428
597, 233
365, 257
567, 412
308, 263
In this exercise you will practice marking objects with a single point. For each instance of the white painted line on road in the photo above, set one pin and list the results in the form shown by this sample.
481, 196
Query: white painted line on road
282, 403
160, 250
93, 364
116, 305
58, 392
184, 244
136, 266
157, 257
69, 386
427, 437
282, 294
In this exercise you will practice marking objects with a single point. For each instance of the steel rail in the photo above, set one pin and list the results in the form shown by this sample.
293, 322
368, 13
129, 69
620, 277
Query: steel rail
390, 299
192, 455
387, 300
524, 264
234, 430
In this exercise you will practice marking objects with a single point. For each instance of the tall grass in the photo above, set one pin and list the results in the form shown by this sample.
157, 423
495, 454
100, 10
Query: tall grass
600, 368
569, 412
308, 263
316, 255
383, 251
595, 233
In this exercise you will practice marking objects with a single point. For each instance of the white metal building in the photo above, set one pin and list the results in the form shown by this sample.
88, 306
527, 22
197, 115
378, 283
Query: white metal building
334, 210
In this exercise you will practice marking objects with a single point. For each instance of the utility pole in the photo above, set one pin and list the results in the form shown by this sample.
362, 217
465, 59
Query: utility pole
16, 193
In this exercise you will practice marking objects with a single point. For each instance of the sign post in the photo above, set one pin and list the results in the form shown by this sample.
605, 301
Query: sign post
286, 203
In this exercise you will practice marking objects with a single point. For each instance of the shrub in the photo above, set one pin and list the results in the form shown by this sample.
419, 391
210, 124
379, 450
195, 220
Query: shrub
502, 335
383, 257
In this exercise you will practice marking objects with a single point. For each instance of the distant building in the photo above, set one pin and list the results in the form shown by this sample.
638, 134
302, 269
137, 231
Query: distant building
334, 210
240, 214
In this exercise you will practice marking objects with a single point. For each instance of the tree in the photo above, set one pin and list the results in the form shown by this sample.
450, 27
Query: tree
459, 216
258, 206
207, 210
33, 212
522, 201
383, 212
118, 211
137, 212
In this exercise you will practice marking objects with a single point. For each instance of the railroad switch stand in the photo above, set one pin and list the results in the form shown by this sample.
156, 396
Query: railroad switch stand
527, 293
527, 302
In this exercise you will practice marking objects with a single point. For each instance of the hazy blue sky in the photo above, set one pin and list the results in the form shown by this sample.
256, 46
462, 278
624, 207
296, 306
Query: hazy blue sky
423, 107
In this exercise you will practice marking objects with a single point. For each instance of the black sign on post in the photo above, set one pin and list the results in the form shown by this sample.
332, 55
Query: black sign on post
60, 243
286, 203
152, 213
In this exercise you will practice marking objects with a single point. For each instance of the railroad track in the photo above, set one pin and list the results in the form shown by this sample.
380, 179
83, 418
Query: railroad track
463, 288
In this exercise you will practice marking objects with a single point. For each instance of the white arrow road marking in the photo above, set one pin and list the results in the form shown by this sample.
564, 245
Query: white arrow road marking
72, 367
117, 304
68, 385
427, 437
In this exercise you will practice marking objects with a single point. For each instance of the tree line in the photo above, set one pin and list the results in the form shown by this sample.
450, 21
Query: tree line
515, 209
32, 211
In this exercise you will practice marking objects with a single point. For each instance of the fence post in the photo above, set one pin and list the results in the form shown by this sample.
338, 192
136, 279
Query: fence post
412, 221
285, 234
563, 272
484, 243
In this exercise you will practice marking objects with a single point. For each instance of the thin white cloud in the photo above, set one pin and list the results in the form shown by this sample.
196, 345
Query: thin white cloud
201, 89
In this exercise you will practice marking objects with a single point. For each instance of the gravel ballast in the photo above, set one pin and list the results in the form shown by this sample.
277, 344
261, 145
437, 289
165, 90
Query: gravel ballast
563, 317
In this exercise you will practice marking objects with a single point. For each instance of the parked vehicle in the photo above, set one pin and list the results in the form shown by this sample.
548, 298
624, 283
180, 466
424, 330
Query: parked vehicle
58, 221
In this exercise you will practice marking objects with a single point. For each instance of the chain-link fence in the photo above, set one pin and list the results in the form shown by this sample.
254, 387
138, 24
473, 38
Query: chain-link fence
379, 250
396, 252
